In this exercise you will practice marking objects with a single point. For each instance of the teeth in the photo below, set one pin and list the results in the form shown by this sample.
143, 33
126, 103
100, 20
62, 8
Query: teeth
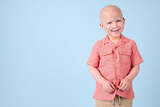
115, 30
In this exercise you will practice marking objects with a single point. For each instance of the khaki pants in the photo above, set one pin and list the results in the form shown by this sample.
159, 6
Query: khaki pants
107, 103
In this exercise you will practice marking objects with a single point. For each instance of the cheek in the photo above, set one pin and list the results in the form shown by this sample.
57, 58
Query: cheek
121, 25
107, 32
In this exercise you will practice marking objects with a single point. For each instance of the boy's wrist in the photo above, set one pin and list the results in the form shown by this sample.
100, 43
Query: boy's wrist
103, 81
128, 79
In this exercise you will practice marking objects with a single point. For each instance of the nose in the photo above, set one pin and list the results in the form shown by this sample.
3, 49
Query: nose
114, 25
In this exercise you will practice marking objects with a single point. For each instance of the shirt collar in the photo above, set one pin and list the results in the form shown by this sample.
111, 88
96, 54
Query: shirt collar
122, 39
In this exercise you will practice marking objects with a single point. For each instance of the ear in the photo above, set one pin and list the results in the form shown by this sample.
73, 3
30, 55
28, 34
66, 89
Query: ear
124, 20
102, 27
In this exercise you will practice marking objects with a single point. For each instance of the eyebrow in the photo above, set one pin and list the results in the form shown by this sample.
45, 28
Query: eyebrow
108, 22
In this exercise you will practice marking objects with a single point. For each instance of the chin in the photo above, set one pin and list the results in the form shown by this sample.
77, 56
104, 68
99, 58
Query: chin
116, 36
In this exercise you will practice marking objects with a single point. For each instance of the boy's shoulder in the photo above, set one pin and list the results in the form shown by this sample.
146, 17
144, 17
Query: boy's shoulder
130, 41
100, 42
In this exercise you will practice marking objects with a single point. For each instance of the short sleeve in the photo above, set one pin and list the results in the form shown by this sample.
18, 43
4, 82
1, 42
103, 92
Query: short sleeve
94, 56
135, 56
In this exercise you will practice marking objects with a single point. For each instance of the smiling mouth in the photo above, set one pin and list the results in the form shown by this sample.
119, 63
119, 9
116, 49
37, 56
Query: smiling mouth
115, 30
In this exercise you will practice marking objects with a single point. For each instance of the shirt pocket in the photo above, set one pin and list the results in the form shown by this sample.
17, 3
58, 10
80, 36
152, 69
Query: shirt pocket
125, 56
107, 55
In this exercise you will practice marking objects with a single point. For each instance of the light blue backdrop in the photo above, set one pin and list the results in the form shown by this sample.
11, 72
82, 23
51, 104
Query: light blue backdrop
45, 44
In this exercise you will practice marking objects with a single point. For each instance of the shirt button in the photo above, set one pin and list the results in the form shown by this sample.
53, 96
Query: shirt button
105, 52
116, 78
115, 47
125, 51
115, 57
116, 67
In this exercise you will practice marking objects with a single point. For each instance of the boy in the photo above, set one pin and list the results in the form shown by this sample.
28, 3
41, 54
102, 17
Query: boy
114, 62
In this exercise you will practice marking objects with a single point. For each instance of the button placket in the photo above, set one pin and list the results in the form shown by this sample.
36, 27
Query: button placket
116, 75
115, 50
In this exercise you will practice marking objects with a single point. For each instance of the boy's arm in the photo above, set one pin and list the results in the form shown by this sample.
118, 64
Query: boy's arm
133, 73
125, 83
107, 86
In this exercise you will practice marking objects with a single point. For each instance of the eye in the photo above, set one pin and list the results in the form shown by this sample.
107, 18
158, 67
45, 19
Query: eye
109, 23
118, 20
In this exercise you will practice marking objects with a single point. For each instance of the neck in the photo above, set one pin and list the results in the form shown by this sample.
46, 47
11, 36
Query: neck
114, 40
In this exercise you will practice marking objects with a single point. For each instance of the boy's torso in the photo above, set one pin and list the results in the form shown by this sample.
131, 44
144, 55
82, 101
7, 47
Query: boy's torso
107, 54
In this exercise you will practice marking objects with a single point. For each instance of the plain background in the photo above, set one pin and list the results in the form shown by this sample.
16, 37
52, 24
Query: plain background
45, 44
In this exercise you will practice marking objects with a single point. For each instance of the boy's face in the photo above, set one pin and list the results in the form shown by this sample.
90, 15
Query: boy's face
112, 18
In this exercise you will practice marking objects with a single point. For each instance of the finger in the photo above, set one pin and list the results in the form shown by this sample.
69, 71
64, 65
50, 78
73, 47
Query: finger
110, 89
107, 90
128, 88
112, 86
121, 84
122, 87
125, 87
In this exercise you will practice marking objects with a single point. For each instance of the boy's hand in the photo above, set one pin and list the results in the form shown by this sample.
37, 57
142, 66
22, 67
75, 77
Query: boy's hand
108, 86
125, 84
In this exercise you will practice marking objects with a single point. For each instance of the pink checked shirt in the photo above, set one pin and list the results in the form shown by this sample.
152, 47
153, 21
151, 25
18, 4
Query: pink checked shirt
128, 57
